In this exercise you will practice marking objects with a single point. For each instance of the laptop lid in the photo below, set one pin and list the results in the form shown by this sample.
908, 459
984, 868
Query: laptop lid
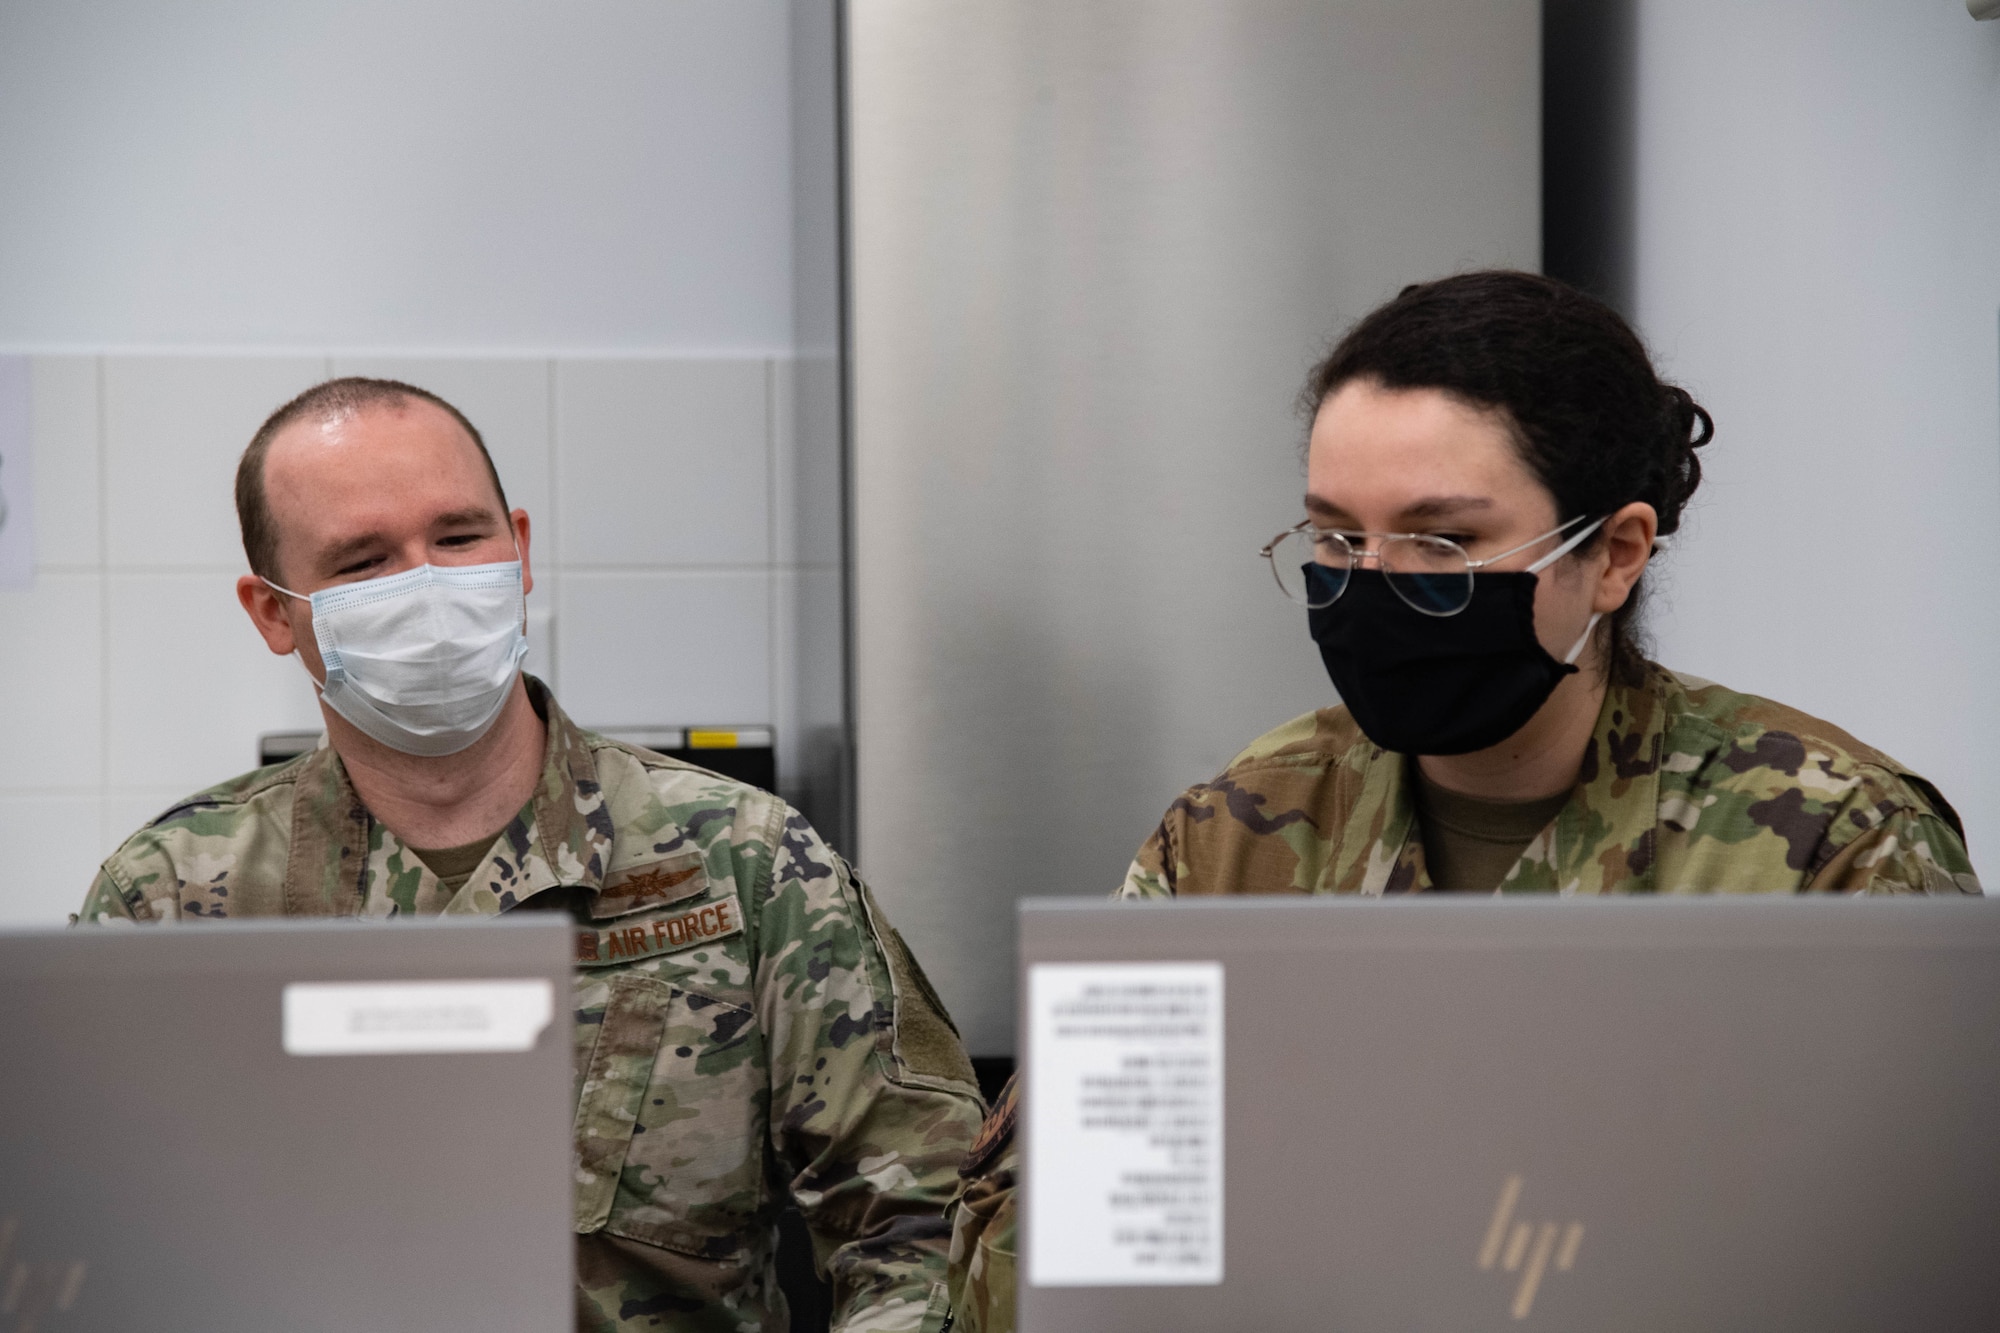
301, 1126
1297, 1113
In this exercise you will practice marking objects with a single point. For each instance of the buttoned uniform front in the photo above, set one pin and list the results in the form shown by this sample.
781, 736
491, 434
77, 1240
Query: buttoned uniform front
749, 1029
1685, 787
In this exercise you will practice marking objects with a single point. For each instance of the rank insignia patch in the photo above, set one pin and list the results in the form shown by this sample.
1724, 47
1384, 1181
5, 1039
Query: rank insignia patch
652, 884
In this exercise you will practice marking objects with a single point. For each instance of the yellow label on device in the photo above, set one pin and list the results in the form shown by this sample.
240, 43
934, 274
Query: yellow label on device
711, 740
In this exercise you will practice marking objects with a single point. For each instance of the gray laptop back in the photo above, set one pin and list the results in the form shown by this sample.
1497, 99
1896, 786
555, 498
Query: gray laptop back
1565, 1115
324, 1126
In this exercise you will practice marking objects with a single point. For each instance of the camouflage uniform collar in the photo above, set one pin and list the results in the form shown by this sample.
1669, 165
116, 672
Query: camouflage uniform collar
1603, 840
570, 812
344, 862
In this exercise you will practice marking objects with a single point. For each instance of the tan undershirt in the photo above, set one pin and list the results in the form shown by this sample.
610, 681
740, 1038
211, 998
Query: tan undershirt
454, 865
1470, 844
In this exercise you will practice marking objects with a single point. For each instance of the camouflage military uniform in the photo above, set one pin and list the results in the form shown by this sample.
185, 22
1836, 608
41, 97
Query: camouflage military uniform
748, 1026
1686, 788
982, 1232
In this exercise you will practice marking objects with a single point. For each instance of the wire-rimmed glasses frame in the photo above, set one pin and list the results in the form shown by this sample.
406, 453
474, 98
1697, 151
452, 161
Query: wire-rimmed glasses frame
1433, 575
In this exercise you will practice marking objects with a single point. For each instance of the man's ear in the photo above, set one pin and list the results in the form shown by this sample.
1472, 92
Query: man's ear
518, 520
268, 613
1627, 545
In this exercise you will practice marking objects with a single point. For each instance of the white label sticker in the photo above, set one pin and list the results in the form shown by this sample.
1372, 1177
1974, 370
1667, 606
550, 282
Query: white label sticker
415, 1017
1124, 1099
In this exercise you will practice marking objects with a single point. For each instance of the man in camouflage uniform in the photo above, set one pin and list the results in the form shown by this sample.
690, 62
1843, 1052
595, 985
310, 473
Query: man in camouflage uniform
749, 1030
983, 1231
1686, 787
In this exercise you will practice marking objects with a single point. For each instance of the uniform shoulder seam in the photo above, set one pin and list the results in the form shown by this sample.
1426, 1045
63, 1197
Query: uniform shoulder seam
1318, 739
1782, 720
1909, 790
240, 790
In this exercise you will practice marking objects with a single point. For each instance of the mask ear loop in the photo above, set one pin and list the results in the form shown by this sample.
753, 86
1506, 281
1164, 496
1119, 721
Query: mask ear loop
1563, 550
1550, 559
319, 686
1588, 626
297, 597
511, 532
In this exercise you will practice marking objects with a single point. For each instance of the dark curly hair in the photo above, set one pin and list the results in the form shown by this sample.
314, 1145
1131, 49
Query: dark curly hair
1592, 419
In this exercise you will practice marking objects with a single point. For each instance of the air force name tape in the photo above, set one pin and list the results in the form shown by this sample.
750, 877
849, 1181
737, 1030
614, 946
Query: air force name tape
697, 925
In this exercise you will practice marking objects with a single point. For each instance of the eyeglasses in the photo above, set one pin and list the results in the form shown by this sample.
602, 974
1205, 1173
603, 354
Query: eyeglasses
1432, 574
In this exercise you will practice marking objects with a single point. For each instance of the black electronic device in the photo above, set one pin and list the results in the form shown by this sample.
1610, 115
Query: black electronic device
743, 753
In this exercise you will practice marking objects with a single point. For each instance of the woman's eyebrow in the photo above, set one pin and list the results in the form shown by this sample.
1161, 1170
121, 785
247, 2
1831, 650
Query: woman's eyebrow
1440, 506
1433, 506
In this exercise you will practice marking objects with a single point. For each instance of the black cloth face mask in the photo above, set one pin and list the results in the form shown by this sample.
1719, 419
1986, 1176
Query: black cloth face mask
1421, 684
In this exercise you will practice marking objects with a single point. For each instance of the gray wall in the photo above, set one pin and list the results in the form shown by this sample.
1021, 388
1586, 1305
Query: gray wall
471, 174
1816, 254
1095, 249
821, 763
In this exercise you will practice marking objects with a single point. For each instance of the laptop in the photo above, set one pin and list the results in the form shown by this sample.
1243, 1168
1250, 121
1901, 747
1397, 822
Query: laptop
323, 1126
1639, 1114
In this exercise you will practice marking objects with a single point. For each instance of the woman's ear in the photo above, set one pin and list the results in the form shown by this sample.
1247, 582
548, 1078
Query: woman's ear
1627, 546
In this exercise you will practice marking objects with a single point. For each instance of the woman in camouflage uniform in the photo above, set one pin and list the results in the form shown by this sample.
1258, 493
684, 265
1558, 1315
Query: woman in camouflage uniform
1492, 462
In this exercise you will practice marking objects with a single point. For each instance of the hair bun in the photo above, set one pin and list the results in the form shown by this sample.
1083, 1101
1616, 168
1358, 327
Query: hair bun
1691, 414
1688, 427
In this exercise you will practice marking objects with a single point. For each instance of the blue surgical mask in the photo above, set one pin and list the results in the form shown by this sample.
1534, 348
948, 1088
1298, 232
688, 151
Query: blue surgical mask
423, 661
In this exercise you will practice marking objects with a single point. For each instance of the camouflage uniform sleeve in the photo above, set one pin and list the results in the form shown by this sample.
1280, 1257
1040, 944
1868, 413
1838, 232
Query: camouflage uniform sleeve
1899, 849
873, 1101
982, 1224
134, 884
1155, 871
103, 903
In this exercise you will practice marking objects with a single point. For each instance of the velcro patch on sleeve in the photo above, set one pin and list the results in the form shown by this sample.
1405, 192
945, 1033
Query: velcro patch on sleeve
685, 930
653, 884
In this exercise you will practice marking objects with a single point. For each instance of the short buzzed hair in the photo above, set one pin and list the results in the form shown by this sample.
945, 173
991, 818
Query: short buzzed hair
334, 398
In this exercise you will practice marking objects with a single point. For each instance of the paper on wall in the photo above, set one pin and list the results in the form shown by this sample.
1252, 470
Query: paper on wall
1124, 1100
17, 477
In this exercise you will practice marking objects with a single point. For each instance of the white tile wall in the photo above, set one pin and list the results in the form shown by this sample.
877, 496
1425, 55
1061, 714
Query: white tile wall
52, 663
660, 647
52, 853
189, 682
63, 395
173, 429
671, 587
664, 462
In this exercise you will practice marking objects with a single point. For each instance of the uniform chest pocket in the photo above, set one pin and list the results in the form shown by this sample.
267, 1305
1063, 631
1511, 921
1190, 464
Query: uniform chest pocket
669, 1120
